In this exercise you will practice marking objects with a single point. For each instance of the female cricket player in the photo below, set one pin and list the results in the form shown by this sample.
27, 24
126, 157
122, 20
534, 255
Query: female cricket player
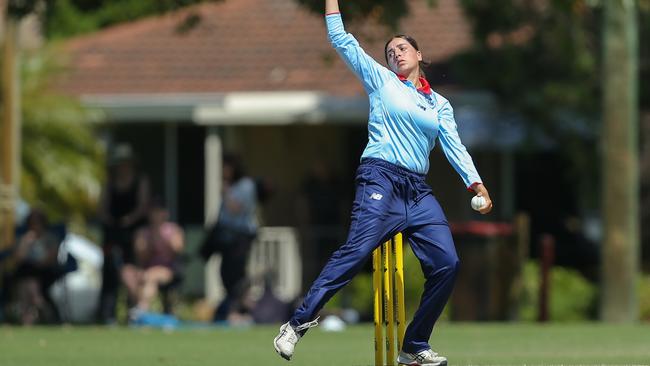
406, 118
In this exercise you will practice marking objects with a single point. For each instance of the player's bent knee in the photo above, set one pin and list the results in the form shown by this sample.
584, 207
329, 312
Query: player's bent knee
455, 266
451, 265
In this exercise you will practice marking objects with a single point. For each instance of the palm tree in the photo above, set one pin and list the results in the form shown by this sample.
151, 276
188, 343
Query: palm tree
62, 160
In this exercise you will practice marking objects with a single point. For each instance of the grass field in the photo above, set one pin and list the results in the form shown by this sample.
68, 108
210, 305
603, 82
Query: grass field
463, 344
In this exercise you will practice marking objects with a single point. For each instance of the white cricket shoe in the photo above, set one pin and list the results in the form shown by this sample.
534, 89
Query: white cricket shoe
423, 358
285, 342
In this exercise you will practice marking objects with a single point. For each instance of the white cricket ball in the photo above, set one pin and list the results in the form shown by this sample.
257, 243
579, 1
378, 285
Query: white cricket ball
478, 202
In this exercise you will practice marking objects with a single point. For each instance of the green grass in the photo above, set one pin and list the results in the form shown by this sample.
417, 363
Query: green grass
463, 344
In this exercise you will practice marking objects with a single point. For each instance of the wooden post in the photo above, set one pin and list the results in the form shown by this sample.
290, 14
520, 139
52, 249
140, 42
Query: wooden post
546, 258
9, 132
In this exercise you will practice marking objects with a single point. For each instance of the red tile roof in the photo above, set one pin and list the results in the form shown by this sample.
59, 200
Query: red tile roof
244, 45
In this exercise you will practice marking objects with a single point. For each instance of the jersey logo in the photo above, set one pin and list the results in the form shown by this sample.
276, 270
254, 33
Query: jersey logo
422, 107
431, 102
376, 196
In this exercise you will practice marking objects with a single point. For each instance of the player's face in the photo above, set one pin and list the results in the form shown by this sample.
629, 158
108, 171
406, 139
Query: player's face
402, 57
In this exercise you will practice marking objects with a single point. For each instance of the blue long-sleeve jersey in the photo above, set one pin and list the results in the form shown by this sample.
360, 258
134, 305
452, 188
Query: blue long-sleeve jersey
403, 122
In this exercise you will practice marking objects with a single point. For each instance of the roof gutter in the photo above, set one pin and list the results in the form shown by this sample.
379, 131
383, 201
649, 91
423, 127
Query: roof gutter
239, 108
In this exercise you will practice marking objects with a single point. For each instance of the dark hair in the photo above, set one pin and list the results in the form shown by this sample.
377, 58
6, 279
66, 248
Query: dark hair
37, 215
157, 202
413, 43
234, 161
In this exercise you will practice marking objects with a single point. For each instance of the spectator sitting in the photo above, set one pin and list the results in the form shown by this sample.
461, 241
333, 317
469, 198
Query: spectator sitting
5, 253
157, 247
36, 269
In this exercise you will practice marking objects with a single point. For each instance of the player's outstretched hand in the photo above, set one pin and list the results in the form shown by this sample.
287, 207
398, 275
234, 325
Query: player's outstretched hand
483, 192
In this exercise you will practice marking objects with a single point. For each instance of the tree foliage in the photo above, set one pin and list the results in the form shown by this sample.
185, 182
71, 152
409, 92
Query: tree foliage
61, 158
540, 59
65, 18
62, 161
387, 11
537, 55
543, 60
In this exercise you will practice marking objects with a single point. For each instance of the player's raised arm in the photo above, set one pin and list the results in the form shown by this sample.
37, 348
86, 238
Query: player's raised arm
372, 74
331, 6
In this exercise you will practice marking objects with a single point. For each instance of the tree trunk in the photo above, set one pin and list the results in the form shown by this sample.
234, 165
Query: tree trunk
621, 164
645, 189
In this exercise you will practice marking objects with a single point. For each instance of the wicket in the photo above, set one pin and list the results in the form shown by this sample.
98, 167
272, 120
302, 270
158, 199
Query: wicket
388, 280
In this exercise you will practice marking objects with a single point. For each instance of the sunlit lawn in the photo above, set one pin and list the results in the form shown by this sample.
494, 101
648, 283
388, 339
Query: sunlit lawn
463, 344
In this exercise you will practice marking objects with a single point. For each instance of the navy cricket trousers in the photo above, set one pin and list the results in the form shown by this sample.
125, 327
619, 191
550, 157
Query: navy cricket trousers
391, 199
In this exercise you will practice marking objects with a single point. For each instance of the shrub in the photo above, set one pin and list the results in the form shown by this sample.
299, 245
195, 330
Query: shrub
572, 297
644, 298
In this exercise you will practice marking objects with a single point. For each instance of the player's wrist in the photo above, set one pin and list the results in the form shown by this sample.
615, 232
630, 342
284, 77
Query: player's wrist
475, 187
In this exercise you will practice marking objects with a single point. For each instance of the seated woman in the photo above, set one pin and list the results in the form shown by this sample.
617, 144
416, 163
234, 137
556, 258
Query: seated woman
36, 269
157, 247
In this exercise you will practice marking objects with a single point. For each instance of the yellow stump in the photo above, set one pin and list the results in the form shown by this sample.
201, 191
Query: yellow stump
377, 298
398, 254
388, 299
389, 312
